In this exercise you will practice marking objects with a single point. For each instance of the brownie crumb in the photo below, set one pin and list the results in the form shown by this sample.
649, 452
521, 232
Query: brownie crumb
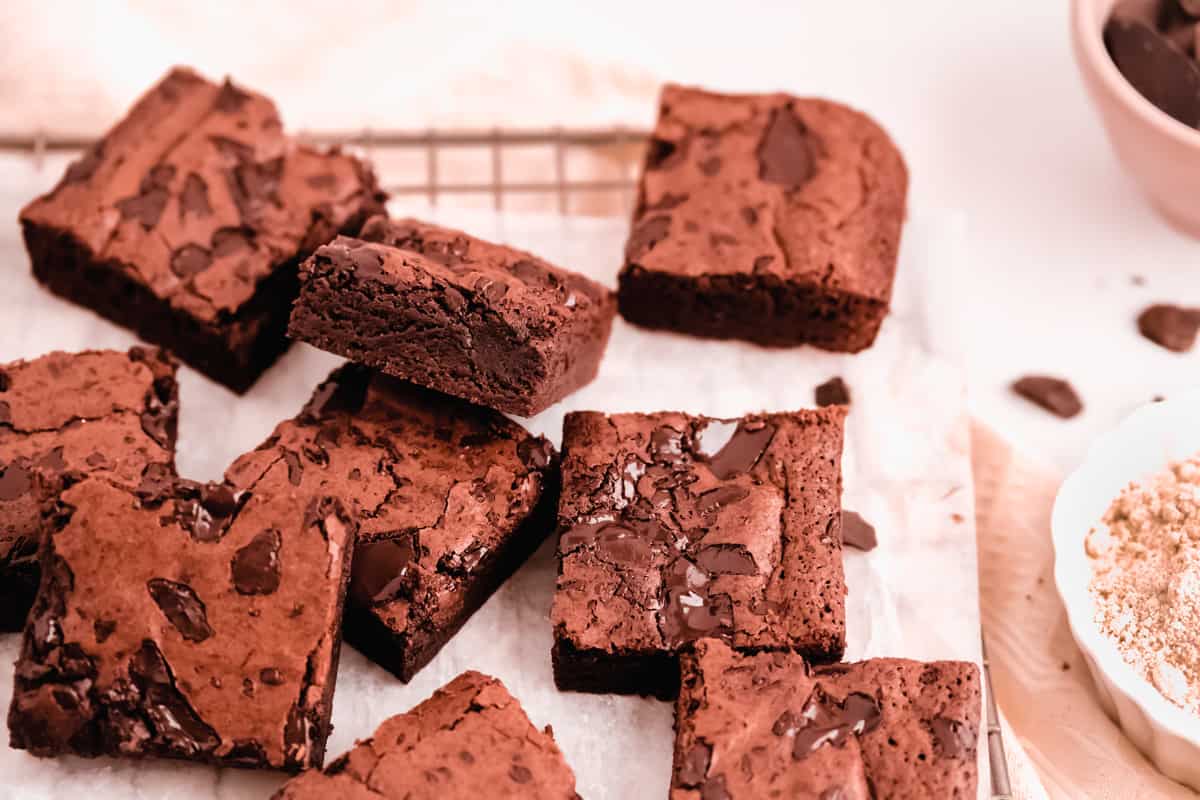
1172, 327
1053, 394
833, 392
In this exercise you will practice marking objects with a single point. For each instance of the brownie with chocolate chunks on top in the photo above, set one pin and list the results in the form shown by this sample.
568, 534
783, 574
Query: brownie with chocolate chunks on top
184, 620
675, 528
65, 416
187, 221
765, 217
450, 500
481, 321
470, 740
751, 725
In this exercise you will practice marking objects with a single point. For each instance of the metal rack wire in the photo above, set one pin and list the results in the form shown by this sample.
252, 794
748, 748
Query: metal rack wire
549, 178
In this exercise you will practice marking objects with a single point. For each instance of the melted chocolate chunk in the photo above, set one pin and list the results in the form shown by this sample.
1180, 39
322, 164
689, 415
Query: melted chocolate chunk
381, 569
833, 392
190, 260
194, 197
1053, 394
857, 532
208, 514
172, 719
228, 241
15, 481
825, 721
662, 153
82, 169
743, 449
148, 204
689, 611
157, 481
256, 567
182, 608
1172, 327
535, 453
786, 154
645, 236
694, 768
952, 738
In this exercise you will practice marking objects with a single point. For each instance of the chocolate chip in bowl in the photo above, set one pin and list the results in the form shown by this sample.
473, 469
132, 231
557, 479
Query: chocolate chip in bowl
1153, 45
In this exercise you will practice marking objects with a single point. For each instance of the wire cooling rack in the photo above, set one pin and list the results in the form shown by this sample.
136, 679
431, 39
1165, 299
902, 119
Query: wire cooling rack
572, 171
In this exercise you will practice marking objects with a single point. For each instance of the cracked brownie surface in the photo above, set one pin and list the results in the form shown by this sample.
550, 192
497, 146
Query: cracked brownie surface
471, 739
186, 222
481, 321
675, 528
65, 416
768, 725
765, 217
450, 499
185, 620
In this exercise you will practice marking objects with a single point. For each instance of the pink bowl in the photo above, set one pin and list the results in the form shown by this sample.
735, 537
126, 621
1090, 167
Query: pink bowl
1161, 153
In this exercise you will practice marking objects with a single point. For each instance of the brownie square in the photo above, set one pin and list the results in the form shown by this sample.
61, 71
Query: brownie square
488, 323
470, 740
751, 725
770, 218
187, 621
63, 417
450, 499
187, 221
676, 528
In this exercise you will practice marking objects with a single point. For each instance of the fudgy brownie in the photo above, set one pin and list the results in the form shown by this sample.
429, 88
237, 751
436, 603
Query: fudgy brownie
65, 416
676, 528
481, 321
187, 221
450, 498
751, 725
188, 621
470, 740
770, 218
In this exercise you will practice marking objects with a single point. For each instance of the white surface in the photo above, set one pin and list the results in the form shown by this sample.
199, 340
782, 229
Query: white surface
906, 464
1137, 449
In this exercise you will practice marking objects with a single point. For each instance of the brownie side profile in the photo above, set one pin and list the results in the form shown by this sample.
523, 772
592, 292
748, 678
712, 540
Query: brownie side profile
675, 528
769, 218
183, 620
470, 740
752, 725
450, 500
477, 320
66, 416
187, 221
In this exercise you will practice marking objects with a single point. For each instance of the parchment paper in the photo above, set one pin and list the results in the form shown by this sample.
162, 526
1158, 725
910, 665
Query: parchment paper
907, 469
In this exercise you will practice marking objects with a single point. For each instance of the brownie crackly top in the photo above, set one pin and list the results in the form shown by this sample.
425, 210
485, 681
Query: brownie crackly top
803, 189
199, 195
678, 527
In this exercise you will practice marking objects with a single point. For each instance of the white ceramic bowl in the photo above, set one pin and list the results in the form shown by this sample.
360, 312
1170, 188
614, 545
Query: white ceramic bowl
1138, 448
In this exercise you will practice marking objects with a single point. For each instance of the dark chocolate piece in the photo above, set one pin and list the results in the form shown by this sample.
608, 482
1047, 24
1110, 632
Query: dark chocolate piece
185, 621
768, 217
857, 532
833, 392
1172, 327
66, 416
470, 740
450, 498
481, 321
187, 221
1155, 66
1053, 394
676, 528
766, 725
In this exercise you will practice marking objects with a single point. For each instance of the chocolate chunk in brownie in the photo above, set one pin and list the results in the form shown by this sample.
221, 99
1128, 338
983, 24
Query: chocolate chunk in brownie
676, 528
184, 620
450, 499
488, 323
857, 532
1169, 326
1053, 394
1159, 68
470, 740
187, 221
765, 217
766, 725
833, 392
63, 417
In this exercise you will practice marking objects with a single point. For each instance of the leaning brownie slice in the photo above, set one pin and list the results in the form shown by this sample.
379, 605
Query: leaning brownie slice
187, 221
185, 621
65, 416
676, 528
470, 740
751, 725
770, 218
488, 323
451, 498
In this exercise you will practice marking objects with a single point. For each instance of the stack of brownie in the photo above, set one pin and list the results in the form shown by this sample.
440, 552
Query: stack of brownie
699, 558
